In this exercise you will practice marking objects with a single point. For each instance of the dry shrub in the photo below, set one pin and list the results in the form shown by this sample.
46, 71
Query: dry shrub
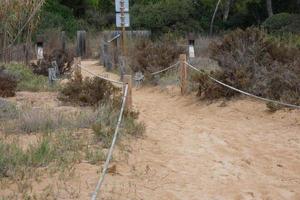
88, 91
8, 83
64, 60
152, 56
105, 126
249, 61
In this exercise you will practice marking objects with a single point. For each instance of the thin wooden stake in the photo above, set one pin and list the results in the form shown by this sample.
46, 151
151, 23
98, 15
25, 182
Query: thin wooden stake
183, 74
128, 80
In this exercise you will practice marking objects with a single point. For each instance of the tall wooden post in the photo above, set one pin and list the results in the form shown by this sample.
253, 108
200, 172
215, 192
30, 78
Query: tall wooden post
128, 80
183, 74
77, 70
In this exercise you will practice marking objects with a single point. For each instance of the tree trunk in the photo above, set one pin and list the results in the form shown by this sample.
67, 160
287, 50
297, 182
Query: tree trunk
227, 7
269, 8
213, 18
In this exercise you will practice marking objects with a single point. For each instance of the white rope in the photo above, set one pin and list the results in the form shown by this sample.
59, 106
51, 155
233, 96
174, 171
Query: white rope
172, 66
101, 179
243, 92
110, 80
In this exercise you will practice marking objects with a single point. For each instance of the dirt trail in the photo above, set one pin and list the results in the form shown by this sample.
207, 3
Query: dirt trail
194, 150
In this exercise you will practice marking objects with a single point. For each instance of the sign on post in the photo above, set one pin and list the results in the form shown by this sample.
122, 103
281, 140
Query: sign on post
118, 6
120, 20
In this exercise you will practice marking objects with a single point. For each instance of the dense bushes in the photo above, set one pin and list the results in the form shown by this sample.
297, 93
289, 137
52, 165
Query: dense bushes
283, 22
64, 60
88, 91
251, 62
8, 83
152, 56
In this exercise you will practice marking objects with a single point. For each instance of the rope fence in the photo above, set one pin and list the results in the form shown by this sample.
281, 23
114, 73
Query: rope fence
168, 68
243, 92
107, 79
111, 149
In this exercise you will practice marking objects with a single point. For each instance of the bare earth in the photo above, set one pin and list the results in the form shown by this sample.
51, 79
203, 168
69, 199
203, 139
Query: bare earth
193, 150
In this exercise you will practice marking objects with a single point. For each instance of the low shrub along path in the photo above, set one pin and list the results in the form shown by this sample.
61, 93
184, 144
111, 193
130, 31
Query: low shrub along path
195, 150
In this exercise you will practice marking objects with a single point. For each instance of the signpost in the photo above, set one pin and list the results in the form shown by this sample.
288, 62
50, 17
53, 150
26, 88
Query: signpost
122, 19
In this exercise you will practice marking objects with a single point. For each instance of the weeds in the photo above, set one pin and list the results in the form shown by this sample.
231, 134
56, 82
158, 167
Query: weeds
105, 125
46, 120
7, 110
28, 81
60, 149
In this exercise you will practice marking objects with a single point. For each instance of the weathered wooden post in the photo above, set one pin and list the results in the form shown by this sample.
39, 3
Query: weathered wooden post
63, 41
81, 43
128, 80
183, 74
77, 69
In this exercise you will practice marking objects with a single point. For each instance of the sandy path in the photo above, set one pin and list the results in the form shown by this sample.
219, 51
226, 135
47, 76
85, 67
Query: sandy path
192, 150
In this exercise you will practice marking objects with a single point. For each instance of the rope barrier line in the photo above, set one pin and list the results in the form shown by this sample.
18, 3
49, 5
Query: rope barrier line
243, 92
110, 80
101, 179
172, 66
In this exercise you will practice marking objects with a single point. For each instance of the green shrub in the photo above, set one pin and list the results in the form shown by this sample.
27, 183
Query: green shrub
8, 83
27, 80
283, 22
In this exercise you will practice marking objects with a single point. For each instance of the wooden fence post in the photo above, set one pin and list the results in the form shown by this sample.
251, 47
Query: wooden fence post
183, 74
77, 69
128, 80
81, 44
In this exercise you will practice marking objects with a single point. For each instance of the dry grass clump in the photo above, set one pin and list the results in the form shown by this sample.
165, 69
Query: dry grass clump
106, 123
88, 91
152, 56
45, 120
7, 110
8, 83
249, 61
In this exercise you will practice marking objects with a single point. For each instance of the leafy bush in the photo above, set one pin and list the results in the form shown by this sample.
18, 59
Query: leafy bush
283, 22
88, 92
251, 62
166, 16
8, 83
27, 80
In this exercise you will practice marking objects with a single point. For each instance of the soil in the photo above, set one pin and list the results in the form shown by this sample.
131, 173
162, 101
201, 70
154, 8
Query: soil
197, 150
